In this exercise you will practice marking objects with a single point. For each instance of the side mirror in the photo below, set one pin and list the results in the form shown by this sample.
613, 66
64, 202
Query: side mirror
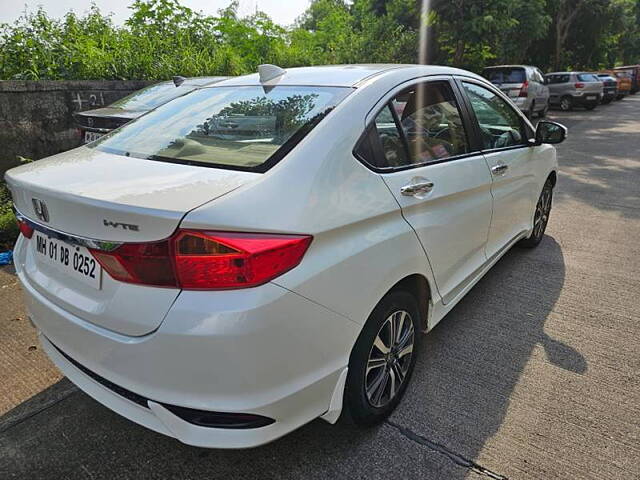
550, 132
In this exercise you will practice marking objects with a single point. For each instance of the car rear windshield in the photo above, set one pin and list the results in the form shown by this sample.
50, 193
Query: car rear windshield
150, 97
588, 77
243, 128
505, 75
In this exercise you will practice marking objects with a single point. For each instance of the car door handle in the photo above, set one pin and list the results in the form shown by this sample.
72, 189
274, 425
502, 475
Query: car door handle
416, 188
499, 169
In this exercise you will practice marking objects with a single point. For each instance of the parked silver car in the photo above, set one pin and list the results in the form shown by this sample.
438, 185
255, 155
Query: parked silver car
574, 89
525, 85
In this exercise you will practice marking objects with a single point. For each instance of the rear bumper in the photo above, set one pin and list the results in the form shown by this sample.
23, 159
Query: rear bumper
523, 103
587, 99
578, 100
266, 351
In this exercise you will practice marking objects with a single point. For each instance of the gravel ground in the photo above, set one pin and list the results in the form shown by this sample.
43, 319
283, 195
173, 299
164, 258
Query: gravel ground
535, 374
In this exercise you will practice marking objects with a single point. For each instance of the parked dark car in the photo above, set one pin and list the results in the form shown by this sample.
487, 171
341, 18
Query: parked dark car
624, 82
610, 87
95, 123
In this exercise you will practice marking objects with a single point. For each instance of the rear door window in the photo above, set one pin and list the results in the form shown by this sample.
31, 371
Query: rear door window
393, 146
421, 125
245, 128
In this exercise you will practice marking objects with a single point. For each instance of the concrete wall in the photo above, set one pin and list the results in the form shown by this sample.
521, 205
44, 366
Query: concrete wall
35, 117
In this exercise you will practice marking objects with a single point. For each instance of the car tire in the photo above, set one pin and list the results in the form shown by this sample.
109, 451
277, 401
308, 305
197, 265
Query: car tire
566, 103
544, 111
619, 97
540, 217
531, 111
376, 362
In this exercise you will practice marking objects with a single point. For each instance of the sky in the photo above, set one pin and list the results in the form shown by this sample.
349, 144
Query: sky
283, 12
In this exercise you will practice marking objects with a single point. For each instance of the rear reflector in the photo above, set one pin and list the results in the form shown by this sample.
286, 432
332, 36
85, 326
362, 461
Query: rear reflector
205, 260
25, 228
208, 419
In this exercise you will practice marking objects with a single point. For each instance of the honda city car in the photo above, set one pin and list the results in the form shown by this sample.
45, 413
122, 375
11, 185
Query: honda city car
269, 249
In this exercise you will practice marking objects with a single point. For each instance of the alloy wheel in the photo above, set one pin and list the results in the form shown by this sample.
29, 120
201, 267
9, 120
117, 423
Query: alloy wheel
565, 104
541, 217
389, 359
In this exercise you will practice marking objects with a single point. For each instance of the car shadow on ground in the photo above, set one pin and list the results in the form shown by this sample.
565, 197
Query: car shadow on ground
471, 363
467, 370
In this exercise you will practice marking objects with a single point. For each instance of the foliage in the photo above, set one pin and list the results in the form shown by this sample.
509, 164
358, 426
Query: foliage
8, 225
163, 38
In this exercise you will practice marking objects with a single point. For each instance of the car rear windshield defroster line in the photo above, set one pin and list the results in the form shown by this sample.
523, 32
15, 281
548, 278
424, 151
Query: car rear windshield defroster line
237, 128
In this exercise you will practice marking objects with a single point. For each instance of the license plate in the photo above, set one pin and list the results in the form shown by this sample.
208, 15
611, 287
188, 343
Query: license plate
71, 260
91, 136
591, 97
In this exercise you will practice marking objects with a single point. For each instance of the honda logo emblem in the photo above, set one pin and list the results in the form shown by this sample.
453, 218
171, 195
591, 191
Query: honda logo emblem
40, 209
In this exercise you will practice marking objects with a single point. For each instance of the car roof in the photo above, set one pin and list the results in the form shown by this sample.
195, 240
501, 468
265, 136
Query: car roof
577, 72
197, 81
201, 81
508, 66
340, 75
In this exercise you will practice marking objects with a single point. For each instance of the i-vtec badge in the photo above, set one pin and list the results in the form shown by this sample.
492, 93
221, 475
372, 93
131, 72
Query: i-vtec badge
124, 226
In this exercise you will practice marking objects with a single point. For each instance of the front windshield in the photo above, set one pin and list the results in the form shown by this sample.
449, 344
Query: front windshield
150, 97
234, 127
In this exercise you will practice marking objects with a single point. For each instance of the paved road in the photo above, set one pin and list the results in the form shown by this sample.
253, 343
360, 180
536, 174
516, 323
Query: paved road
535, 374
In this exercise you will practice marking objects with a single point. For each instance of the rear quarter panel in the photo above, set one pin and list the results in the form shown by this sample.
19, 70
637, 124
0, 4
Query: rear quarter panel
362, 245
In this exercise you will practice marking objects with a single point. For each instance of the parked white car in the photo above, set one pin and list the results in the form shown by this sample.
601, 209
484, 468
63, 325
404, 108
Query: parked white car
261, 252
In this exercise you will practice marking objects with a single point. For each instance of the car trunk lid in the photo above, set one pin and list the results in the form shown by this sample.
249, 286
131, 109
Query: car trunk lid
106, 118
108, 198
511, 89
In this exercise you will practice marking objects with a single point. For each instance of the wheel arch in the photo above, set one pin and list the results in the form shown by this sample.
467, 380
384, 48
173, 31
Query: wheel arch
418, 286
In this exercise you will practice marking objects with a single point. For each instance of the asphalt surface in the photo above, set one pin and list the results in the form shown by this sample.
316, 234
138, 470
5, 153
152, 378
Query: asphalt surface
535, 374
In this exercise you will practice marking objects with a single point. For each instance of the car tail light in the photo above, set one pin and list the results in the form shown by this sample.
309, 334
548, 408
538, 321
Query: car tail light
579, 85
524, 90
142, 263
205, 260
25, 228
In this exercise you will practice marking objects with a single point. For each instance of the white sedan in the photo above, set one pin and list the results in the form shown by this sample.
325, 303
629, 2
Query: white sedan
265, 251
